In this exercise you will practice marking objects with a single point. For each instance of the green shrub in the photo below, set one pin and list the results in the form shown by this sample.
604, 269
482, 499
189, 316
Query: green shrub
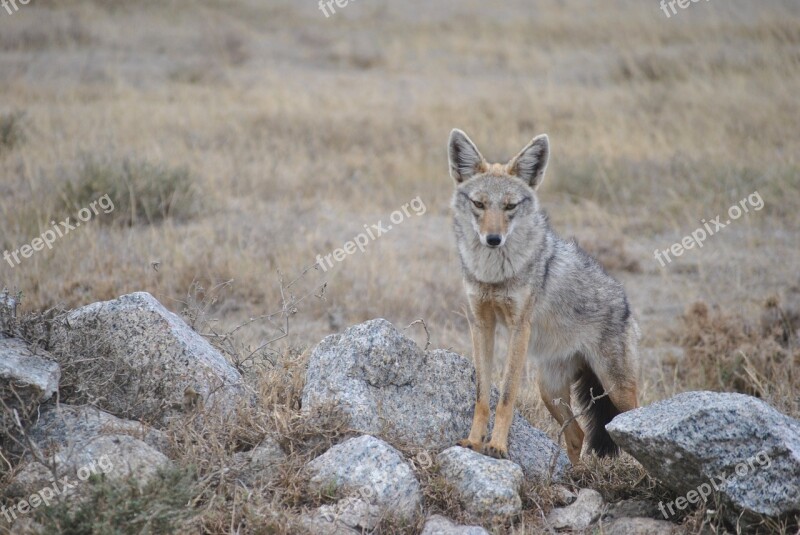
142, 192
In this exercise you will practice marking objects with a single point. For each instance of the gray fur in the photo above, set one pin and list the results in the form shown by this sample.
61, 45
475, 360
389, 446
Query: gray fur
579, 314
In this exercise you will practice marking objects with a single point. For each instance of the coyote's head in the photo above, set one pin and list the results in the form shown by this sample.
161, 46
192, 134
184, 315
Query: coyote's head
493, 199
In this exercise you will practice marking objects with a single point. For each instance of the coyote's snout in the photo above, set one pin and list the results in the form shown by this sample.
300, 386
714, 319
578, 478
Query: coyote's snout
547, 292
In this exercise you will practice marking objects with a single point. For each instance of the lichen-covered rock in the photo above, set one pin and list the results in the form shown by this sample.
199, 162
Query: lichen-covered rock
351, 515
699, 443
486, 487
640, 526
579, 515
60, 426
26, 379
439, 525
140, 360
386, 386
372, 478
116, 457
81, 441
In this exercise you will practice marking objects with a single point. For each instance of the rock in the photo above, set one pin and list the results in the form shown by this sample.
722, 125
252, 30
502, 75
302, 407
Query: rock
564, 496
439, 525
118, 457
84, 441
584, 512
328, 520
26, 379
69, 426
638, 526
261, 464
388, 387
632, 509
701, 442
485, 487
142, 361
373, 478
265, 456
350, 515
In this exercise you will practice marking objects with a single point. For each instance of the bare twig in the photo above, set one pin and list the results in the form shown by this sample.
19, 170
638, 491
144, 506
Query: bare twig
559, 401
278, 320
26, 442
427, 332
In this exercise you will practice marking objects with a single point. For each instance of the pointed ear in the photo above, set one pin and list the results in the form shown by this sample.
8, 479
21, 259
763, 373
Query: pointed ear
465, 158
530, 163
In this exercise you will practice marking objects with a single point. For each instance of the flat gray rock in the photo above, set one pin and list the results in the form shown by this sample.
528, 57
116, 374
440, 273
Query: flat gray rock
486, 487
349, 515
698, 443
640, 526
138, 359
372, 479
346, 517
579, 515
388, 387
66, 426
632, 508
85, 440
116, 457
439, 525
34, 377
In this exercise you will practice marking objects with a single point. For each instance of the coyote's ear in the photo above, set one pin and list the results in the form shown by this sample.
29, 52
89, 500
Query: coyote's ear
530, 163
465, 158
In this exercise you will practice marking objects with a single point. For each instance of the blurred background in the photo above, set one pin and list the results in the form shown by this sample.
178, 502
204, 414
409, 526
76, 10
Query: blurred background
238, 140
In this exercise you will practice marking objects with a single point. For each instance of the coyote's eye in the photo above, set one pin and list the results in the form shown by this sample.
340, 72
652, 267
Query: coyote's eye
510, 206
478, 205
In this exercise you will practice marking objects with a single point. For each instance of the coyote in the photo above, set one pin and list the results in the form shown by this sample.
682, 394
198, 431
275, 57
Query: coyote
544, 289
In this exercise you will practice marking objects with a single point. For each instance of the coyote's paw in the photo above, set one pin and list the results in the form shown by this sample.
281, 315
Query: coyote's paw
474, 446
496, 452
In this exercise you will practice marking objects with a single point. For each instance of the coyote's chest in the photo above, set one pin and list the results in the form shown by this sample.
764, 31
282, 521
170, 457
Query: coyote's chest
510, 303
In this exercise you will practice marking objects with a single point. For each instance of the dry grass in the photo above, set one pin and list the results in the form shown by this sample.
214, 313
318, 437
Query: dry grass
242, 139
731, 354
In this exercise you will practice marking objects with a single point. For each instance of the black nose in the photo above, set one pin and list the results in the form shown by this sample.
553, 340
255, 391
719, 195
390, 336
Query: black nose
493, 240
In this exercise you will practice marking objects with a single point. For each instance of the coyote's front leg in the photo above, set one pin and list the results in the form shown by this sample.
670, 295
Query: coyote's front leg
512, 376
483, 355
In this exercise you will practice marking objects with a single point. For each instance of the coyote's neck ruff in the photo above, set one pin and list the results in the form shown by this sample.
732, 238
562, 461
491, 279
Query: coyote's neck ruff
519, 272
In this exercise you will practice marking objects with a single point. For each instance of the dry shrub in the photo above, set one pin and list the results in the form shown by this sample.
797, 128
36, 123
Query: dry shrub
726, 352
126, 507
230, 492
12, 130
616, 479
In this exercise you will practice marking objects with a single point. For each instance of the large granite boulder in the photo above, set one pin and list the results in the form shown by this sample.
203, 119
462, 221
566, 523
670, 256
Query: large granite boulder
387, 386
134, 358
704, 443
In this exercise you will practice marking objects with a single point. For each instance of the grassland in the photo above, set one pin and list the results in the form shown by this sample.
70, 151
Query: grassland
239, 140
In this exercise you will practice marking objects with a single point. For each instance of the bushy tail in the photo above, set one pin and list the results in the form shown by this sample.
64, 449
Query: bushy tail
598, 413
